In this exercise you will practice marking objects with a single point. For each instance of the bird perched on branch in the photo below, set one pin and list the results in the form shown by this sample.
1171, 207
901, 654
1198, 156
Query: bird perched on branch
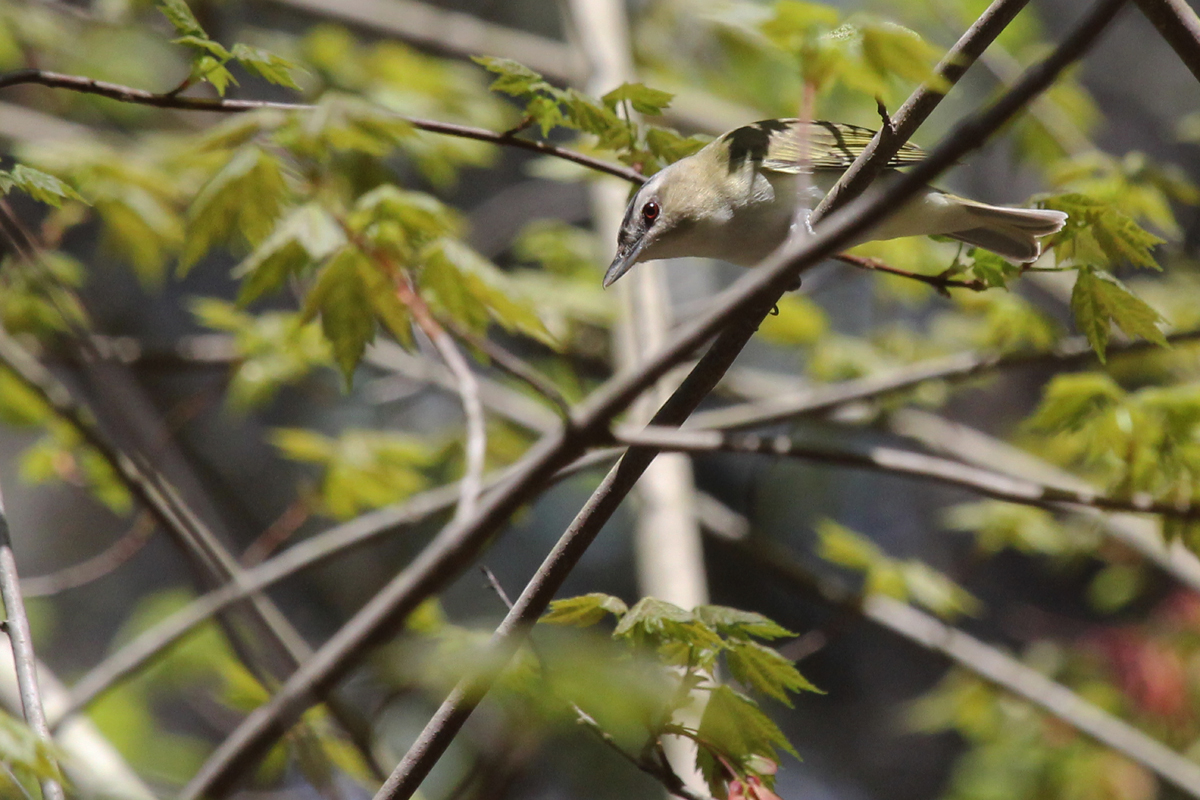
736, 200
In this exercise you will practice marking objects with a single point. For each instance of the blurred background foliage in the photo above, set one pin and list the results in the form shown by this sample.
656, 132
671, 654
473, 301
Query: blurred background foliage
264, 283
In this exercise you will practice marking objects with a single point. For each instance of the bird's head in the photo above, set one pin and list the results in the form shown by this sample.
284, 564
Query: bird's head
662, 216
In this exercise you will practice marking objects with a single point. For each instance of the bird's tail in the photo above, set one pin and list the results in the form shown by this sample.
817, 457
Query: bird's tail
1010, 232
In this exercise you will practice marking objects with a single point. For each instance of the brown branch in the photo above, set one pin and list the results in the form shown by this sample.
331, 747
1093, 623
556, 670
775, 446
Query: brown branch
516, 367
759, 292
957, 367
735, 318
278, 532
503, 400
17, 627
96, 567
475, 447
941, 282
903, 462
129, 94
1178, 24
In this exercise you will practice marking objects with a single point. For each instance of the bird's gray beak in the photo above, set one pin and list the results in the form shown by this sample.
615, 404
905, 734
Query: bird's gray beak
626, 257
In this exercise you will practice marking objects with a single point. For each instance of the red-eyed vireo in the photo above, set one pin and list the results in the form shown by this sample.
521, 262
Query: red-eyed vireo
736, 200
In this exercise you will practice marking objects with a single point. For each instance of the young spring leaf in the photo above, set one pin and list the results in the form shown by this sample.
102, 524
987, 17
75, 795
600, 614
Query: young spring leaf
1069, 401
513, 78
362, 469
1099, 300
842, 546
641, 97
240, 203
584, 610
471, 289
341, 297
995, 271
1097, 234
41, 186
268, 66
738, 624
736, 727
766, 670
936, 592
273, 348
305, 237
181, 17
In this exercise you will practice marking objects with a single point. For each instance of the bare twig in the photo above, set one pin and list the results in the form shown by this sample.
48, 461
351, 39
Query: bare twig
1176, 22
96, 567
940, 282
128, 94
91, 764
17, 627
735, 319
903, 462
283, 528
475, 446
959, 366
500, 399
476, 436
985, 661
508, 362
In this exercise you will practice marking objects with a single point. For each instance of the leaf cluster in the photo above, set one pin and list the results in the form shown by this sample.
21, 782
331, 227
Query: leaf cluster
611, 119
733, 730
1142, 441
211, 59
909, 580
361, 470
865, 53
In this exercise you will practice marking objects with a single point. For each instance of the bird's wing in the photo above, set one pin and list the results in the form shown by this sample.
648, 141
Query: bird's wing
776, 145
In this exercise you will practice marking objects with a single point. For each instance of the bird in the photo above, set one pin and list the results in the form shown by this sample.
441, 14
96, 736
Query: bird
736, 198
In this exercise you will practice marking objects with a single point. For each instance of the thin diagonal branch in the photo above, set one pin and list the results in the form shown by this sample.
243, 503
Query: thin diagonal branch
340, 540
940, 282
96, 567
129, 94
514, 366
903, 462
957, 367
476, 435
500, 399
987, 662
1176, 22
743, 306
17, 628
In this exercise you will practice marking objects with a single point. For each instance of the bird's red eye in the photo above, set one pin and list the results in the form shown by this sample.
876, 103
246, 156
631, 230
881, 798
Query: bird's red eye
650, 212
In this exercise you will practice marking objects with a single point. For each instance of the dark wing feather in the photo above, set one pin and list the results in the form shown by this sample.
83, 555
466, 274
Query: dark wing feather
775, 144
